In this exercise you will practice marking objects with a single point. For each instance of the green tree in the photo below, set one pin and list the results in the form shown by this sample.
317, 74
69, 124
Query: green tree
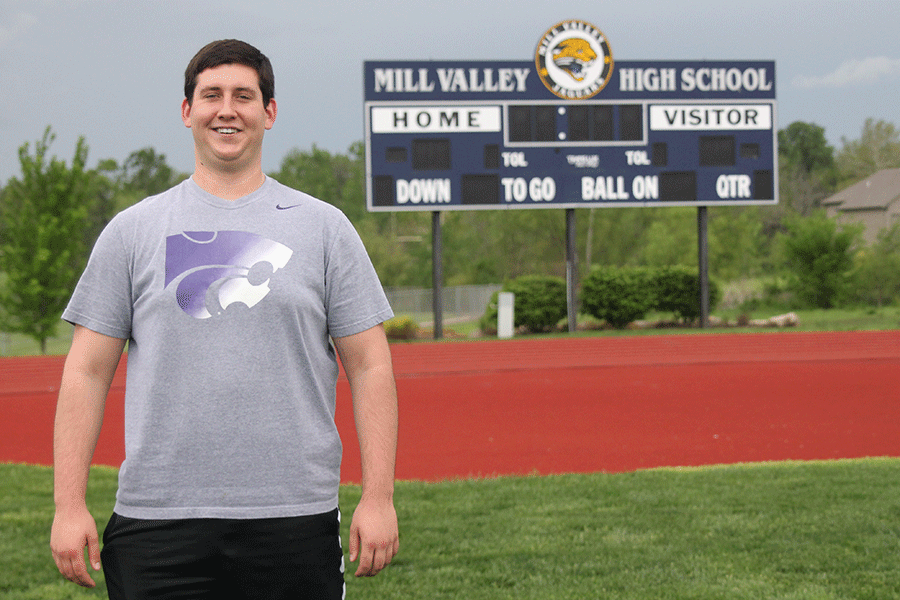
819, 257
144, 173
333, 178
804, 145
671, 239
354, 193
877, 148
616, 236
737, 246
43, 251
878, 270
806, 164
491, 246
147, 173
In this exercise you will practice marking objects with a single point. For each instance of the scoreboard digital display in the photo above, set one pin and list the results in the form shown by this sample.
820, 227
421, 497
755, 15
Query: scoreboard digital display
445, 135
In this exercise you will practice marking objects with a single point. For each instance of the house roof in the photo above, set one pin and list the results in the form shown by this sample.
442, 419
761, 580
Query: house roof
878, 191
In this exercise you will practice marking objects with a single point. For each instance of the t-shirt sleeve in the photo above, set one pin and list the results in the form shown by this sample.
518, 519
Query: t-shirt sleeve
102, 300
354, 298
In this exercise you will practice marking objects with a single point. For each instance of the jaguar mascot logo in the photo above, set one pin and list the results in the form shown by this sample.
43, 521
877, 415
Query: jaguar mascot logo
574, 60
574, 56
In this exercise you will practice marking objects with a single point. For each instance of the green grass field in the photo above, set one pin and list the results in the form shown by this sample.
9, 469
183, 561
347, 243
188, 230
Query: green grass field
791, 531
857, 319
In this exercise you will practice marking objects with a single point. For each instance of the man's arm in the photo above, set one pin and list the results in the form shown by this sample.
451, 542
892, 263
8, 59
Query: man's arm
374, 537
87, 375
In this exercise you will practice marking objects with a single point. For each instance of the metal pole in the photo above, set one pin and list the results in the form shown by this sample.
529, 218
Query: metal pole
571, 270
703, 259
437, 275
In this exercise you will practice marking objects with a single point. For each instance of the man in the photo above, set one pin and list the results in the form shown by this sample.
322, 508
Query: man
230, 289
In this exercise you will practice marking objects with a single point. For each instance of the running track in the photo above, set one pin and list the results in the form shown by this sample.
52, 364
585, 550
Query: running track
485, 408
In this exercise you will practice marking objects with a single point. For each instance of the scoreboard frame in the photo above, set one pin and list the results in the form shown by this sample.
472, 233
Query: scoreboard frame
493, 135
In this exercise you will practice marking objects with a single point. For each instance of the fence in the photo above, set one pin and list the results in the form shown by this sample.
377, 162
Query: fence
461, 302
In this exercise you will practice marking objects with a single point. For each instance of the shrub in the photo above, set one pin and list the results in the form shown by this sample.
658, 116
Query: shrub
401, 328
878, 269
677, 290
617, 295
540, 303
488, 321
820, 257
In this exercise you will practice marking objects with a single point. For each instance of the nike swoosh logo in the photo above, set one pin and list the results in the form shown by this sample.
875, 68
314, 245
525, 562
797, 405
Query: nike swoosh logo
280, 207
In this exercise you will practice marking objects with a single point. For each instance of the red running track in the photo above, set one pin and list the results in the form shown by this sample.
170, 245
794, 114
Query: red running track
490, 408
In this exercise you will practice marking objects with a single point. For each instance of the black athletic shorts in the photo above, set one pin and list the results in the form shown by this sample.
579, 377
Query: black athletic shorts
296, 557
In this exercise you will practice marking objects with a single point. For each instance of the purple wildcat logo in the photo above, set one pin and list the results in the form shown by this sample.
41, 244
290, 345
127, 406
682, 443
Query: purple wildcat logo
216, 269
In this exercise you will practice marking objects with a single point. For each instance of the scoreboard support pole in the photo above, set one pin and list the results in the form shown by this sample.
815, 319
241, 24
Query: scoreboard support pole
437, 274
703, 263
571, 270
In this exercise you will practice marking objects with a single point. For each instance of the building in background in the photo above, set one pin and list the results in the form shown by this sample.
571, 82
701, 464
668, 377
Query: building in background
874, 202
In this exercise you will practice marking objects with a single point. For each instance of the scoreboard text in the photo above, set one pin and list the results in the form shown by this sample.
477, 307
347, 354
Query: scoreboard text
491, 135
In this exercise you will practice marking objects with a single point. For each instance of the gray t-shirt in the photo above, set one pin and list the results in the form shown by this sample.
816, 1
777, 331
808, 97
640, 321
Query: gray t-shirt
229, 307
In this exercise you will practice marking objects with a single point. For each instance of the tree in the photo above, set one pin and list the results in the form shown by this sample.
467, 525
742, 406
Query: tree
877, 148
144, 173
737, 246
323, 175
806, 164
804, 145
671, 239
878, 271
819, 256
43, 253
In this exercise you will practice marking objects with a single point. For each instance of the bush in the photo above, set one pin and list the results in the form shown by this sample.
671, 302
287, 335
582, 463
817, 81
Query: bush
488, 321
617, 295
540, 303
401, 328
677, 290
878, 270
820, 257
620, 296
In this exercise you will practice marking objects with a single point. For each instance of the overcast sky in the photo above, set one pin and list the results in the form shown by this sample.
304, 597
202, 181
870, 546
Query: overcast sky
112, 70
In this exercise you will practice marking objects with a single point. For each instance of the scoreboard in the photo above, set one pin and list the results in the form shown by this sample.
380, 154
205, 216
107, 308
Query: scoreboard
448, 135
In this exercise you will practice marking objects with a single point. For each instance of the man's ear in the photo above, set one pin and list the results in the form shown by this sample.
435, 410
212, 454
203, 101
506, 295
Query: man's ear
271, 113
186, 112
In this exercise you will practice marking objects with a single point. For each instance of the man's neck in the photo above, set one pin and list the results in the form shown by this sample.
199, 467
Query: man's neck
228, 186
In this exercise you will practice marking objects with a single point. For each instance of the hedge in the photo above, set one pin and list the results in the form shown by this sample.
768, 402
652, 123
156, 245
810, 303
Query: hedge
540, 303
677, 291
618, 295
622, 295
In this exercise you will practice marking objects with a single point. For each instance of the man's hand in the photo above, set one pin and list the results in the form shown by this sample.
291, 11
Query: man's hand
374, 537
87, 374
366, 357
71, 532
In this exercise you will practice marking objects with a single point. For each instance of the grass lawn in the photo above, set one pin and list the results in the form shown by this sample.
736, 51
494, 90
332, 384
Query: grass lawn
14, 344
857, 319
792, 531
853, 319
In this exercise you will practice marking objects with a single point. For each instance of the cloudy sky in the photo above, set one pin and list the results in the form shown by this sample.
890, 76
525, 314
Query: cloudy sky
111, 70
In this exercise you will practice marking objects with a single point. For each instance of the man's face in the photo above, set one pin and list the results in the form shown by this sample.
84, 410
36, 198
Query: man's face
228, 119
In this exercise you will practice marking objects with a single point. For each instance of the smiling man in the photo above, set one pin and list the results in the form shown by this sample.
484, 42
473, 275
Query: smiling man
234, 310
228, 114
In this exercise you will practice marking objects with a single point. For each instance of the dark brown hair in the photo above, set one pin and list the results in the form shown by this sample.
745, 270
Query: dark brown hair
226, 52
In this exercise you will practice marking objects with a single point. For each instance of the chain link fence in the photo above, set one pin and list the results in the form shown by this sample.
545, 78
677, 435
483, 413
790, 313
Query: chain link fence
461, 302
